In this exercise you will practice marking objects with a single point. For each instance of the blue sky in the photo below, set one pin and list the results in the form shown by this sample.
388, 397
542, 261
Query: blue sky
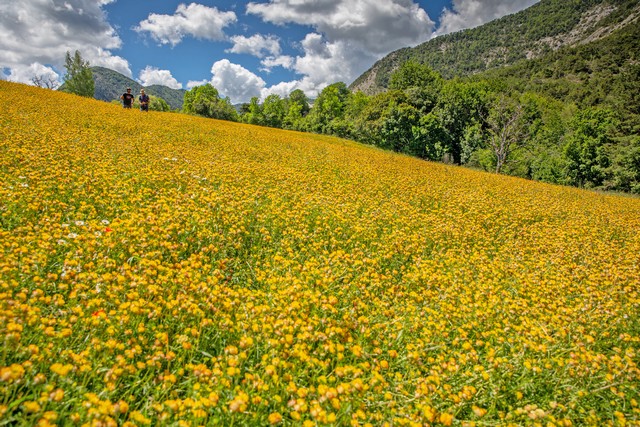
244, 48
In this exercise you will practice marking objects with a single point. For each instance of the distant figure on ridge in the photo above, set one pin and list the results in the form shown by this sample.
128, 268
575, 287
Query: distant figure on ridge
144, 101
127, 98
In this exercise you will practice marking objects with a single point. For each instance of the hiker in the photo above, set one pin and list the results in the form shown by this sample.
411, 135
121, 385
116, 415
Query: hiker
144, 101
127, 98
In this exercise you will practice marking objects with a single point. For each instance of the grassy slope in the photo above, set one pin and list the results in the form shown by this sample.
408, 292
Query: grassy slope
161, 266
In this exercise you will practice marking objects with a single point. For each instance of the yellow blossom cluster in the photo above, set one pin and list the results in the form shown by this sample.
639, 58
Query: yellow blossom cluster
162, 269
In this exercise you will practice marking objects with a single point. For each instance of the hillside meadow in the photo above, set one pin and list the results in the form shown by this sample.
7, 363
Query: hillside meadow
164, 269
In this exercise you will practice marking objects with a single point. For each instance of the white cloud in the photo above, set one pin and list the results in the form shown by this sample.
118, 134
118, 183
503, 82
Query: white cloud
235, 81
193, 83
154, 76
104, 58
377, 26
349, 36
25, 74
256, 45
473, 13
41, 32
189, 20
283, 61
327, 62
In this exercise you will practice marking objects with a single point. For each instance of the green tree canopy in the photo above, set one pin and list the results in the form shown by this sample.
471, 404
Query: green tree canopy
158, 104
413, 74
587, 146
273, 109
329, 106
79, 78
300, 98
205, 101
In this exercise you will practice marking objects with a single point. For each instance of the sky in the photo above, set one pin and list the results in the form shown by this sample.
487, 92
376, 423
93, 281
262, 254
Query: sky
243, 48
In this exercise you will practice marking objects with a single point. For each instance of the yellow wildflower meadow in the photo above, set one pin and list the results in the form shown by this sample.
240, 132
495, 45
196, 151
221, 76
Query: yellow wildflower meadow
162, 269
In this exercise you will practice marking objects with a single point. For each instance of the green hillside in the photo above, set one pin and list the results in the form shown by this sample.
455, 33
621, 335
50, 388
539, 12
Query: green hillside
537, 31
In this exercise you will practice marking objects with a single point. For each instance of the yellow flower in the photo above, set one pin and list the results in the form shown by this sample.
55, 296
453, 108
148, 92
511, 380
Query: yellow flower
275, 418
31, 406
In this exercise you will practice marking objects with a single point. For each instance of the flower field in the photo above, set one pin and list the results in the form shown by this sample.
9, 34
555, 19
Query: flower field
163, 269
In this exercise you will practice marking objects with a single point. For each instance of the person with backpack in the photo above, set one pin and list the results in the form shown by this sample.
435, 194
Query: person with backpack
144, 101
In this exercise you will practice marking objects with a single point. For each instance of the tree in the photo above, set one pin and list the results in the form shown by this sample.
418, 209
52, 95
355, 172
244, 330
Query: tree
297, 107
79, 78
274, 111
390, 122
329, 106
412, 74
587, 146
300, 98
506, 128
46, 82
253, 112
206, 101
158, 104
459, 106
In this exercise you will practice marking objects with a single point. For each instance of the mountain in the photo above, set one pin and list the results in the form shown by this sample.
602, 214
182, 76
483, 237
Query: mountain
540, 30
111, 84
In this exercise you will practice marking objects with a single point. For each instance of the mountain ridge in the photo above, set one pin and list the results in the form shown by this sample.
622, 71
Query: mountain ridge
532, 33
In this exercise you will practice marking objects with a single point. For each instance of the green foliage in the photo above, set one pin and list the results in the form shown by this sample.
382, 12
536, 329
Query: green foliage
273, 110
79, 78
587, 147
252, 112
299, 98
624, 173
411, 74
158, 104
206, 101
388, 120
459, 106
330, 105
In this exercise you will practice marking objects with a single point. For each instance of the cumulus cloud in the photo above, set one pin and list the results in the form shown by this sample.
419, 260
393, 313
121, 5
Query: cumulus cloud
473, 13
154, 76
41, 32
193, 83
235, 81
349, 36
282, 89
284, 61
377, 26
26, 74
256, 45
195, 20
